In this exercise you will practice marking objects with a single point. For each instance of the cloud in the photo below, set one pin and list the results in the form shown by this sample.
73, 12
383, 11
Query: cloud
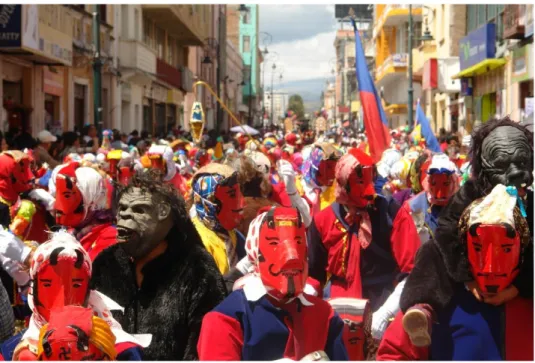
294, 22
301, 59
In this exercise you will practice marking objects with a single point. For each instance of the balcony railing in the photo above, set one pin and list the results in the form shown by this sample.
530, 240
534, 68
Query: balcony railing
397, 60
514, 20
168, 73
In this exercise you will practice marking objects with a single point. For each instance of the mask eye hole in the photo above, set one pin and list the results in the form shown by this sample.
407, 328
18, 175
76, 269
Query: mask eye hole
477, 247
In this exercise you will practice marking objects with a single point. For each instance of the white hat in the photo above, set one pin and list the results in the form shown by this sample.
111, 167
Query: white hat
45, 136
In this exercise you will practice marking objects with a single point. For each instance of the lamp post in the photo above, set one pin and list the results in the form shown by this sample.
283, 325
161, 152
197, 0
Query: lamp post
214, 44
272, 75
426, 37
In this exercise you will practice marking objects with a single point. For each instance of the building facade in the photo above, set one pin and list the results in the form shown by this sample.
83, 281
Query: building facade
279, 100
390, 35
436, 61
232, 87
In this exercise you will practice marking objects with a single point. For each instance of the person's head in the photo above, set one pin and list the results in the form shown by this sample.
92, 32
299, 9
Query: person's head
70, 139
60, 273
46, 139
496, 236
144, 134
15, 174
161, 158
217, 197
439, 179
502, 153
276, 246
135, 133
90, 130
253, 174
80, 191
147, 210
319, 167
355, 176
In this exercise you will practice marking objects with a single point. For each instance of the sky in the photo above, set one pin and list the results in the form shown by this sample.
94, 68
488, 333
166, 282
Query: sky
303, 37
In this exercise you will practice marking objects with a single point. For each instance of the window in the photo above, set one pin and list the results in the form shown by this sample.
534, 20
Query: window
124, 22
103, 13
471, 21
160, 42
246, 43
136, 21
147, 32
247, 73
171, 51
247, 16
402, 35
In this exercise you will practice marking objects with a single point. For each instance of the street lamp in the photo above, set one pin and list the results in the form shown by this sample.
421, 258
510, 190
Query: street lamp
243, 9
212, 43
426, 37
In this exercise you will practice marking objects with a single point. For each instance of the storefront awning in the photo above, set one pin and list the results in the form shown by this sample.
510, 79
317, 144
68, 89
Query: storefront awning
484, 66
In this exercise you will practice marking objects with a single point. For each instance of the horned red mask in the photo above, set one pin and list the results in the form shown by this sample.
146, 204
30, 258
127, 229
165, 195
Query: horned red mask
75, 334
355, 175
439, 179
495, 233
494, 255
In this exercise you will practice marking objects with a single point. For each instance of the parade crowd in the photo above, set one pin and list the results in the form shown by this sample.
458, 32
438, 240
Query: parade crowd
296, 245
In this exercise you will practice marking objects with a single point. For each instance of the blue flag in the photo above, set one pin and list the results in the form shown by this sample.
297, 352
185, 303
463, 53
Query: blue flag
430, 138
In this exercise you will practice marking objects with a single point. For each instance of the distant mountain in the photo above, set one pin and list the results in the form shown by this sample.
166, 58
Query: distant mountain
309, 89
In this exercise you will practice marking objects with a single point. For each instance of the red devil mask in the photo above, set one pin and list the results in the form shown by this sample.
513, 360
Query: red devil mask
230, 202
494, 255
75, 334
356, 314
325, 176
15, 174
439, 180
125, 173
69, 201
113, 168
61, 280
282, 253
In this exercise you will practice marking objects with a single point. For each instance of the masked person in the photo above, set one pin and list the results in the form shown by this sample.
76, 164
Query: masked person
159, 271
496, 237
359, 244
161, 158
121, 166
82, 204
217, 211
502, 153
17, 214
316, 185
60, 271
439, 181
270, 317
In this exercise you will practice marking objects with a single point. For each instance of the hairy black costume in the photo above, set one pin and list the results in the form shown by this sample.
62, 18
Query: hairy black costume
179, 286
443, 262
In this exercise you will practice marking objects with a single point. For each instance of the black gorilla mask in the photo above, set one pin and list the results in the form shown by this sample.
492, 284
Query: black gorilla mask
506, 158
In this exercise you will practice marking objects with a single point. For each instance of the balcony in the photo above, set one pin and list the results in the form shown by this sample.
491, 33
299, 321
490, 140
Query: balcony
187, 23
394, 66
514, 20
168, 73
137, 61
393, 15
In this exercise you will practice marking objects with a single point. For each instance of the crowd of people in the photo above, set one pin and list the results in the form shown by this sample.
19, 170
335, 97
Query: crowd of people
278, 246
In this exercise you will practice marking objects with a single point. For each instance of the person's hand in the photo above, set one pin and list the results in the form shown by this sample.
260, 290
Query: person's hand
43, 197
11, 247
287, 174
507, 294
380, 320
17, 271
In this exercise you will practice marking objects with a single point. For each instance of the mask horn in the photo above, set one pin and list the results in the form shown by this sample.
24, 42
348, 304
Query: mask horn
47, 349
83, 339
473, 229
511, 233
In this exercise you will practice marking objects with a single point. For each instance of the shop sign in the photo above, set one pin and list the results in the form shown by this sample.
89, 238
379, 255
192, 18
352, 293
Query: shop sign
53, 82
430, 76
520, 66
400, 59
10, 26
478, 46
55, 44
